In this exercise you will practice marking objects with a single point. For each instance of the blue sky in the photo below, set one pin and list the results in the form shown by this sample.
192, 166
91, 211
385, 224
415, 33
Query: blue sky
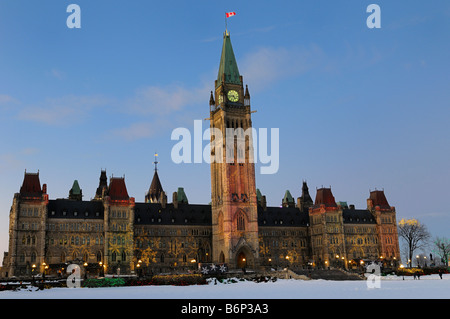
358, 109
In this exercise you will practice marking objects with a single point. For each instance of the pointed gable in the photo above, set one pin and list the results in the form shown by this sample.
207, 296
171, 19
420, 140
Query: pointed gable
31, 186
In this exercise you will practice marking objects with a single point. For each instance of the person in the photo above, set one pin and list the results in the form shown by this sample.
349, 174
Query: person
440, 273
415, 275
418, 275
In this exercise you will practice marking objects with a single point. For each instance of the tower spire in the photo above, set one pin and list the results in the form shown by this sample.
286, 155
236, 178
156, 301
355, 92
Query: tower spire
228, 69
155, 193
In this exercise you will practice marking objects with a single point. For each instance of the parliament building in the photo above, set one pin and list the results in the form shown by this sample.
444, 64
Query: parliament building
114, 234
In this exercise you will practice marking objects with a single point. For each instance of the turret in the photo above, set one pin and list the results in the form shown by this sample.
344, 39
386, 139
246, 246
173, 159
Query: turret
102, 188
288, 200
305, 201
246, 97
75, 192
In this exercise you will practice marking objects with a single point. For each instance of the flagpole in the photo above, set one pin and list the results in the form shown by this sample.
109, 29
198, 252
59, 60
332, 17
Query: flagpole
226, 22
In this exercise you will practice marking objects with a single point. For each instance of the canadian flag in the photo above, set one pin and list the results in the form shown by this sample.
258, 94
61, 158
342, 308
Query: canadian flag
230, 14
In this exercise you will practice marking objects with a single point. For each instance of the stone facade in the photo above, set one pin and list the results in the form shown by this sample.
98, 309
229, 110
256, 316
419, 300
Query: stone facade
114, 234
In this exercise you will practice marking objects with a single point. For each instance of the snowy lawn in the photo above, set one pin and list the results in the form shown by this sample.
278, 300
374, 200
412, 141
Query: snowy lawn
428, 287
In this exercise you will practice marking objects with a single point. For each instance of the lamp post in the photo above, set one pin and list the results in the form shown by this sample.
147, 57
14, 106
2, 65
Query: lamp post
138, 267
85, 264
102, 270
33, 267
403, 274
43, 272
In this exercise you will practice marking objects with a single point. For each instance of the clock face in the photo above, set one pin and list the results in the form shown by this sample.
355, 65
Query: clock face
233, 96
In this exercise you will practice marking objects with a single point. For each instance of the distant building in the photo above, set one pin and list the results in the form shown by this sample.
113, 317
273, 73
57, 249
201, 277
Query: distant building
114, 234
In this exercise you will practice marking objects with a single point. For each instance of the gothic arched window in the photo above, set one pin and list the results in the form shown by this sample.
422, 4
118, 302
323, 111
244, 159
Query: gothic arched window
240, 225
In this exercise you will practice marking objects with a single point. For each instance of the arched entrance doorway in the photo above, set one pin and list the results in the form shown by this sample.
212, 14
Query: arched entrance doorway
241, 260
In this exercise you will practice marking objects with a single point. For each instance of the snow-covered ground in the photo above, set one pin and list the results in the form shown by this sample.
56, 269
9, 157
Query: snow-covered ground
428, 287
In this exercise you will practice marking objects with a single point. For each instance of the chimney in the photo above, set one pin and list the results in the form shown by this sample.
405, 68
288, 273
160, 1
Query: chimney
175, 200
263, 202
163, 199
369, 204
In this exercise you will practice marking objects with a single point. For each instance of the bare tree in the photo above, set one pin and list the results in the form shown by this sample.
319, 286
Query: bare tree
414, 234
442, 248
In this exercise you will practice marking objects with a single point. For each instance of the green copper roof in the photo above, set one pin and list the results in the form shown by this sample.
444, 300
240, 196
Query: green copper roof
343, 204
228, 63
76, 188
181, 196
288, 197
258, 194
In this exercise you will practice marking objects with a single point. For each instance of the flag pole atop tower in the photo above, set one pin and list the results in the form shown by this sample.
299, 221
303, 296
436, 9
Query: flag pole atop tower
227, 15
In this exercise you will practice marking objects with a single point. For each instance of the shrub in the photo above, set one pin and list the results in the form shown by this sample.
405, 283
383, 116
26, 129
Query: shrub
103, 282
179, 280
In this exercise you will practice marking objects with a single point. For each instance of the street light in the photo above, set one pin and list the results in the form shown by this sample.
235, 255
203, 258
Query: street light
32, 271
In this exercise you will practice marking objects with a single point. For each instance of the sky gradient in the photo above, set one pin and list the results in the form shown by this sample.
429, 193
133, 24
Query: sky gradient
358, 109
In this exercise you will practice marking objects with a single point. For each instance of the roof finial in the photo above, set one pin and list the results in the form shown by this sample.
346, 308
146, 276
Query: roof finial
156, 162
